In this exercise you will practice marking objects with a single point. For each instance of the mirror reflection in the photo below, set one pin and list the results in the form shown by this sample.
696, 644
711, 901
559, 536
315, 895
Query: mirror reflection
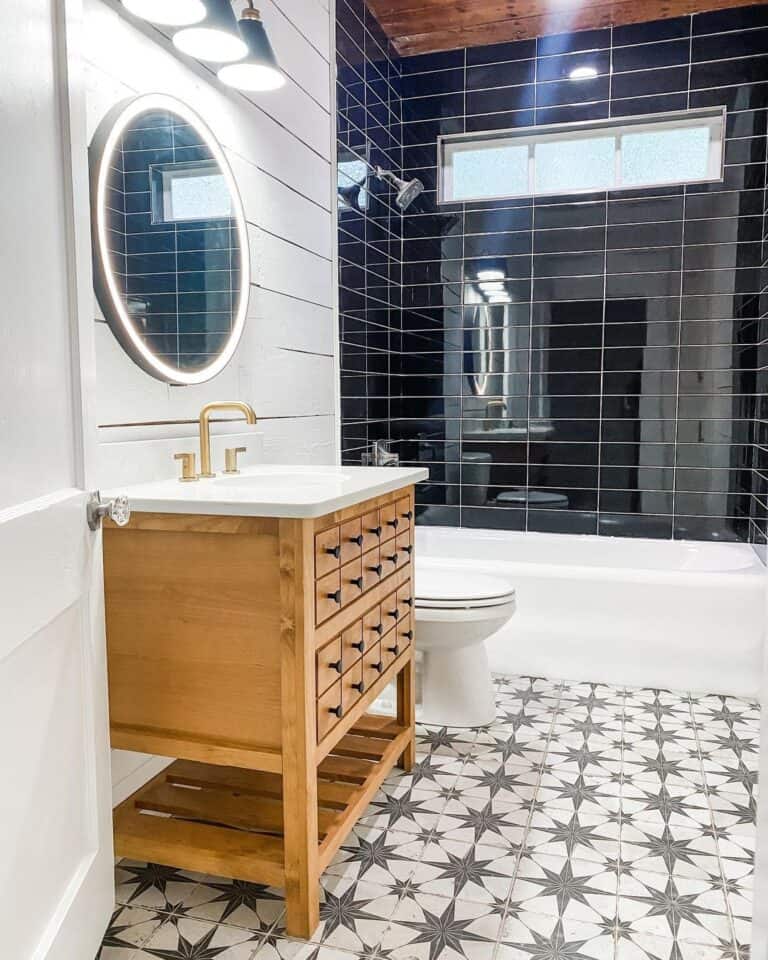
171, 244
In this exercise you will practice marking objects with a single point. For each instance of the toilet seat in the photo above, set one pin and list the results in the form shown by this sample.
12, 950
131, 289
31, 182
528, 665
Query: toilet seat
443, 588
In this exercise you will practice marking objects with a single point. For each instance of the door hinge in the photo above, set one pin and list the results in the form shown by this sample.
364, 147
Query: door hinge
118, 510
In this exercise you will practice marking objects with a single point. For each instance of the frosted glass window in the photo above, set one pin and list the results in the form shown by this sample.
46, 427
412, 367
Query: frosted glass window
195, 190
665, 156
627, 152
565, 166
490, 171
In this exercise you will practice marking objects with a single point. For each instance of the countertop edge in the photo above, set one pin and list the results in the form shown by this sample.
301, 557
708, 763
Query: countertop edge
310, 511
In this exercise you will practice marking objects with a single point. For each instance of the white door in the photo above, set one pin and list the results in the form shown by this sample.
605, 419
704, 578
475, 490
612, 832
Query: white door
56, 888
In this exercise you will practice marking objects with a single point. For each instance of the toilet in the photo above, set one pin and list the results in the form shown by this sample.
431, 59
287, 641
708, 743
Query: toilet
457, 609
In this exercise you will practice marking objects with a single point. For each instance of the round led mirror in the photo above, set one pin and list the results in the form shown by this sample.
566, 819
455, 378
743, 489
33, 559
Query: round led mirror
171, 260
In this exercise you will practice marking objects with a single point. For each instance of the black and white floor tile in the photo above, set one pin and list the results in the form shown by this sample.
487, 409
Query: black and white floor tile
588, 823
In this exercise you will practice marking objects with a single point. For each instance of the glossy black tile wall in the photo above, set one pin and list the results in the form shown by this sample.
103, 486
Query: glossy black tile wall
620, 390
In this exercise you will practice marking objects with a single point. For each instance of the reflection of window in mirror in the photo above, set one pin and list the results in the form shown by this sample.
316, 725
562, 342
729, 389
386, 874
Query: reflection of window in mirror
194, 190
352, 178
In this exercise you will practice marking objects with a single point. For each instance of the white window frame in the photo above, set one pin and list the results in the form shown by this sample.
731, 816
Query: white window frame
713, 117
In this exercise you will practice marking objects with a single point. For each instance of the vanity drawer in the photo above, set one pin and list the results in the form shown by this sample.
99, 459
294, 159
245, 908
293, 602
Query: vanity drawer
329, 665
351, 581
351, 540
329, 710
404, 513
388, 557
390, 612
372, 569
404, 548
352, 644
391, 648
373, 628
352, 686
327, 551
389, 521
328, 596
371, 530
405, 632
373, 665
405, 599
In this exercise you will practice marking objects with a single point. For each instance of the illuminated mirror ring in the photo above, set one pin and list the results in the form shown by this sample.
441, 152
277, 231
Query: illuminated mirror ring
170, 240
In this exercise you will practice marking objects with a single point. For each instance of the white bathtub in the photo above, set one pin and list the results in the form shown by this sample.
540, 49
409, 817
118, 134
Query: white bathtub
676, 614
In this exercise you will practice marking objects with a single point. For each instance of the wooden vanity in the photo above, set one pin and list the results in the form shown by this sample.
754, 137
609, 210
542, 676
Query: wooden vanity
250, 648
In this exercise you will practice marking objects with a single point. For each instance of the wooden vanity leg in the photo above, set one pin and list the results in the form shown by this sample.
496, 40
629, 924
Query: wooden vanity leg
406, 710
299, 712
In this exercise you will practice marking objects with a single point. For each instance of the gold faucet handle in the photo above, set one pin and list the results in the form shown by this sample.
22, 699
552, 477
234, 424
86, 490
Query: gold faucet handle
230, 459
188, 471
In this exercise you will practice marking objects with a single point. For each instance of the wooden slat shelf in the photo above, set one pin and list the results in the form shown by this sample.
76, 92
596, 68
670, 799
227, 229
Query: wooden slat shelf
209, 812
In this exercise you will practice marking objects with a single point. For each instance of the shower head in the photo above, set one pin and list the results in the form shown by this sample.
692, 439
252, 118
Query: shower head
407, 190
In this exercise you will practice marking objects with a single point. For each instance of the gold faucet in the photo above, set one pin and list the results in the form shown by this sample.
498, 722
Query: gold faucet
205, 428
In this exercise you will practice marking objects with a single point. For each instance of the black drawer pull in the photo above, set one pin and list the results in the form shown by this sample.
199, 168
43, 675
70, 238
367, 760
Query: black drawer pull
335, 596
393, 523
408, 549
357, 540
378, 667
394, 614
376, 531
395, 649
392, 559
337, 711
377, 569
333, 551
408, 515
357, 582
408, 601
408, 634
360, 645
336, 665
379, 628
360, 687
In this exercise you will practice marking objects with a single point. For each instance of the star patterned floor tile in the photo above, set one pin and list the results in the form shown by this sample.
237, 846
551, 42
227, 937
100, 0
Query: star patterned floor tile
481, 820
128, 929
353, 915
573, 834
648, 947
526, 935
683, 908
235, 902
404, 809
465, 871
561, 789
679, 805
386, 857
189, 939
280, 948
428, 927
678, 851
152, 884
579, 890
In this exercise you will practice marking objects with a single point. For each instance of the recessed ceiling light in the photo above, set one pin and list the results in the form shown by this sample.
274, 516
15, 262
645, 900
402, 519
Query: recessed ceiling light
172, 13
215, 39
260, 70
491, 286
583, 73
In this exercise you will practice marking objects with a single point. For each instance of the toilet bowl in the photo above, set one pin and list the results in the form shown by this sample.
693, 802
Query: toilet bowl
456, 611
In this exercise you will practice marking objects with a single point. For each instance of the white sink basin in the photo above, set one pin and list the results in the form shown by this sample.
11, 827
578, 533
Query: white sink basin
269, 480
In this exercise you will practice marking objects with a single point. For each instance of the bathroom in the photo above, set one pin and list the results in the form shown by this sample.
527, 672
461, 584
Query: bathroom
384, 516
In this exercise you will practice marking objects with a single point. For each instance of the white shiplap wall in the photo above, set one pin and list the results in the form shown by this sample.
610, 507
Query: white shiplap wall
279, 145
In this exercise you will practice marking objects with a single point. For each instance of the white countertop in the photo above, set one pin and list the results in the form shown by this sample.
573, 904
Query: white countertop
271, 491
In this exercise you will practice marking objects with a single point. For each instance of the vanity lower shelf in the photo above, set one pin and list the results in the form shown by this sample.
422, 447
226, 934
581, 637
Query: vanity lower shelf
228, 820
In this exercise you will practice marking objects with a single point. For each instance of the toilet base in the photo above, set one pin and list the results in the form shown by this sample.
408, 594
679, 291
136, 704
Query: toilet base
457, 689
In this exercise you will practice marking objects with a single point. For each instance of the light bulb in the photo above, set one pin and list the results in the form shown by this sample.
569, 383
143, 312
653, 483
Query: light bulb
211, 44
251, 76
583, 73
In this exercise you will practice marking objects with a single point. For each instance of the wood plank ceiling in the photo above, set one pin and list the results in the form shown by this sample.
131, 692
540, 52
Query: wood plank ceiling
425, 26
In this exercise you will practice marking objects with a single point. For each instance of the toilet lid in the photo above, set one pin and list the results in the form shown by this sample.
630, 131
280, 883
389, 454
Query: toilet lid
447, 587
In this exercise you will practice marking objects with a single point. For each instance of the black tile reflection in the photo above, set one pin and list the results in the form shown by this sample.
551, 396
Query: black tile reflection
616, 383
